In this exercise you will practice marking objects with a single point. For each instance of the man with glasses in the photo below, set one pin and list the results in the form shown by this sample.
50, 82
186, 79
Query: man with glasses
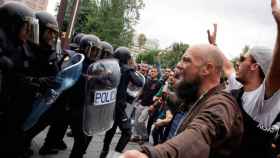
256, 88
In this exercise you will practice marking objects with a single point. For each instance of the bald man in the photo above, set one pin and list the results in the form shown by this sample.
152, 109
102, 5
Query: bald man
213, 126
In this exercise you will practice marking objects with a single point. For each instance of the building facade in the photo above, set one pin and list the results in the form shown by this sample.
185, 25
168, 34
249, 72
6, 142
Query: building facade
37, 5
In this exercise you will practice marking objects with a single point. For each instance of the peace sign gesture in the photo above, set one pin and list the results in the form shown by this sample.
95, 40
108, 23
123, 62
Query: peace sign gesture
212, 37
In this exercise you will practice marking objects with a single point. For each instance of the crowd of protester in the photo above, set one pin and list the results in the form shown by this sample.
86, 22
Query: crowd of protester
184, 111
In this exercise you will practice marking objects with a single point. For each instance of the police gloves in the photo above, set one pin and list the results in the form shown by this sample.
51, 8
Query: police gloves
6, 63
42, 84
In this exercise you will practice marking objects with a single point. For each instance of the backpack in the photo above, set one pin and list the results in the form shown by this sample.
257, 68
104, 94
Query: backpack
257, 140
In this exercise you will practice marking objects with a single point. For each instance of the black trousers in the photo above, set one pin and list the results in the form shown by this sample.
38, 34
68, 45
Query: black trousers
57, 118
152, 119
81, 141
59, 127
125, 127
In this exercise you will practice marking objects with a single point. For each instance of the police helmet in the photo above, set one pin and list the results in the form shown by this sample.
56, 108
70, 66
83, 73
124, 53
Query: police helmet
90, 47
106, 50
123, 55
46, 20
76, 41
47, 24
14, 16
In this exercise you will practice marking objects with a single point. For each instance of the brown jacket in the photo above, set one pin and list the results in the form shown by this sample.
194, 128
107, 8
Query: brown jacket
213, 128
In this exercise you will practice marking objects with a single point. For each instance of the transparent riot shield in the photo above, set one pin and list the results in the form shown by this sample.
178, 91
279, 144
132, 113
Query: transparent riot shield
103, 78
66, 78
134, 92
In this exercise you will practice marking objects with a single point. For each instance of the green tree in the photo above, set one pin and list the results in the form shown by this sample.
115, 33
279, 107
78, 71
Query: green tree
141, 40
167, 58
114, 20
86, 6
148, 57
172, 56
110, 20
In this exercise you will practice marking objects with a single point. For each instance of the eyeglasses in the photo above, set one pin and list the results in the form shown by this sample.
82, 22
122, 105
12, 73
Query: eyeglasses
243, 58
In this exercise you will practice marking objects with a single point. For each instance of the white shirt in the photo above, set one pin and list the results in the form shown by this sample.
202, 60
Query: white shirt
254, 103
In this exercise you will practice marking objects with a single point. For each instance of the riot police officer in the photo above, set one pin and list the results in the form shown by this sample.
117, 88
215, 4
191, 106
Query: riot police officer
90, 47
46, 66
54, 140
106, 49
121, 119
46, 51
74, 45
18, 91
74, 100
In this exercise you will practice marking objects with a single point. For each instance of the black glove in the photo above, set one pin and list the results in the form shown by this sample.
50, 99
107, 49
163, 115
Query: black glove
47, 83
41, 84
6, 63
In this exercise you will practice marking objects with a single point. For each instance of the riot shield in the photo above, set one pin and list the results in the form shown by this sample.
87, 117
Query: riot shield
134, 92
103, 78
66, 78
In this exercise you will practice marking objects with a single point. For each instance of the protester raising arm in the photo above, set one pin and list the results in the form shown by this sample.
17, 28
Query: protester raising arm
212, 38
272, 81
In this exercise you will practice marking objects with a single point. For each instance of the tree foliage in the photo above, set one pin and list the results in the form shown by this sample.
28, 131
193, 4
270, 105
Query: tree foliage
171, 57
141, 40
148, 57
167, 58
110, 20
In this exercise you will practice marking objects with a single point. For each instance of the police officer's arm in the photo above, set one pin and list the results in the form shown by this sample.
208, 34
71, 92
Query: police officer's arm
212, 38
136, 80
272, 81
5, 62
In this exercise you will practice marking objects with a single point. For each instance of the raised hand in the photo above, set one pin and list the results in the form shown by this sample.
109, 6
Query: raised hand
275, 11
212, 36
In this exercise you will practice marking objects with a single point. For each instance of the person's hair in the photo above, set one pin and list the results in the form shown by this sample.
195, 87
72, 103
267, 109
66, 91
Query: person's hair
154, 67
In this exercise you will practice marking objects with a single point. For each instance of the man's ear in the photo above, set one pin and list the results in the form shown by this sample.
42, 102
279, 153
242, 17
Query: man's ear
254, 67
206, 69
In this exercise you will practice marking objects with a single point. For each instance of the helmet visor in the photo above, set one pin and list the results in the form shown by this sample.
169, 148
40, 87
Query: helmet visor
106, 53
49, 38
93, 53
33, 29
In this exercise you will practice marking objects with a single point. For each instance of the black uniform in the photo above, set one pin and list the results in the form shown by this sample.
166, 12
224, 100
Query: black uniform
62, 107
73, 100
17, 95
18, 88
121, 119
45, 68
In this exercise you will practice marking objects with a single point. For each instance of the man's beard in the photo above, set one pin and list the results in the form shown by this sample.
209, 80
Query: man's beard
187, 91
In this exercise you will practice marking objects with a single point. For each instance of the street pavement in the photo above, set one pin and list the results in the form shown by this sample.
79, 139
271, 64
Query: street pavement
93, 150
